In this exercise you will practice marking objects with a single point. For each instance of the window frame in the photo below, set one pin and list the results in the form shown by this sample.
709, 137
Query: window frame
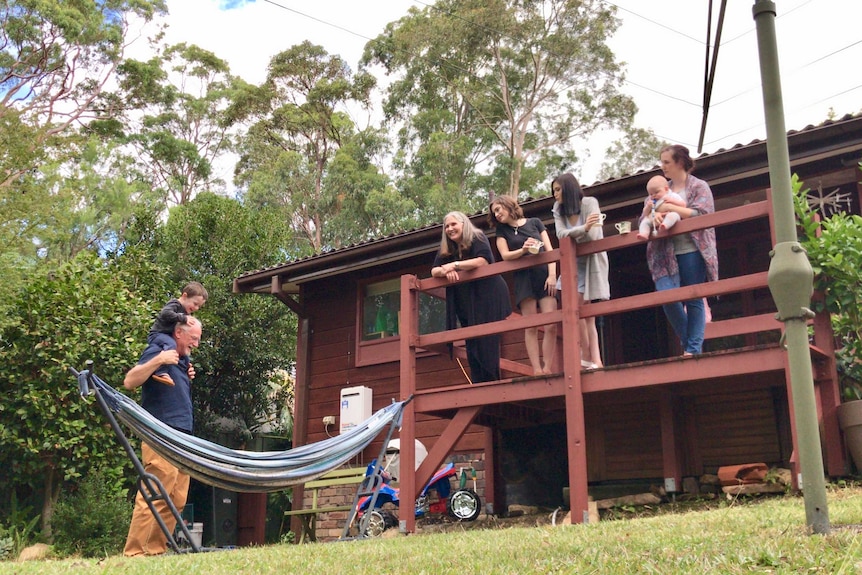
385, 349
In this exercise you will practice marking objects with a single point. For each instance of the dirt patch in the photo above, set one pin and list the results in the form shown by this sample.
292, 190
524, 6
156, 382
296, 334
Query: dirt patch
536, 517
445, 524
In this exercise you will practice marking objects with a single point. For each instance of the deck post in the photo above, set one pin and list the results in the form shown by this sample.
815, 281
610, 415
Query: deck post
829, 395
574, 398
669, 446
409, 328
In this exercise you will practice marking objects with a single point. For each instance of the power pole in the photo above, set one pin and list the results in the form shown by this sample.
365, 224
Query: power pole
791, 277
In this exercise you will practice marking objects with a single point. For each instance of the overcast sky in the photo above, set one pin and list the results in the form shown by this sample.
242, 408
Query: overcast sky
662, 43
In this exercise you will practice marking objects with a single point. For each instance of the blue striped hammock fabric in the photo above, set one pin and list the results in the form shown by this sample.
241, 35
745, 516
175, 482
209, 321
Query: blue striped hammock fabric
239, 470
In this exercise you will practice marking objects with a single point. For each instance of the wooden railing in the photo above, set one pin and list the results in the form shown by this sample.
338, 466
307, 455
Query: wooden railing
568, 274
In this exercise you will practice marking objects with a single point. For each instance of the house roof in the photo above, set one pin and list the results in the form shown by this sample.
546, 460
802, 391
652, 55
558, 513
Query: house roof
838, 141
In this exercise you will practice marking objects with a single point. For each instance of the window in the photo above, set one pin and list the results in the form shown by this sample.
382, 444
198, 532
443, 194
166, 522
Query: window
381, 317
381, 311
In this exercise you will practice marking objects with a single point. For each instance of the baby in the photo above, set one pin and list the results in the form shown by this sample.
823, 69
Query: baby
659, 193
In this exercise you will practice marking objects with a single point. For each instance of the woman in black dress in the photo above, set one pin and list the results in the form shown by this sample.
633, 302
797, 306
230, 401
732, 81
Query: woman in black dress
518, 236
465, 247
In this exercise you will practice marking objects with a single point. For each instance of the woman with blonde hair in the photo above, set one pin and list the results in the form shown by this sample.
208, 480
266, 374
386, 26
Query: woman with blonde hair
464, 247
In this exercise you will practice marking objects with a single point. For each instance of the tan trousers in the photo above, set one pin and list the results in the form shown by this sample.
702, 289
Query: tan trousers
145, 536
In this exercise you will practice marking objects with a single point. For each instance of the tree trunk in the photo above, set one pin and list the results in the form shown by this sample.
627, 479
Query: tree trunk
51, 492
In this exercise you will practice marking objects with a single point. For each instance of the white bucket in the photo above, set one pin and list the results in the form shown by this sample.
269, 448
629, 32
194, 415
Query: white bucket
197, 533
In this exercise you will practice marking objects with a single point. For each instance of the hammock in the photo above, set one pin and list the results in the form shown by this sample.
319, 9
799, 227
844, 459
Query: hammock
239, 470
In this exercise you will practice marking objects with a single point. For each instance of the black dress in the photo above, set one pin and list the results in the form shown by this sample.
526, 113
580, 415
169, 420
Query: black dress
476, 302
529, 283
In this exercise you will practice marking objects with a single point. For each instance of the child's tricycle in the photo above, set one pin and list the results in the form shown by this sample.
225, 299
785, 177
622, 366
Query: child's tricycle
437, 497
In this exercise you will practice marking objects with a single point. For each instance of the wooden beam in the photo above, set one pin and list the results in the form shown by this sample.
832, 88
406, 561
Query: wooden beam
693, 368
655, 299
302, 392
294, 305
669, 446
489, 393
444, 445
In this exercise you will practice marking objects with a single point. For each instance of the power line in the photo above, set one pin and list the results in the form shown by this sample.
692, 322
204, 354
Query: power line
656, 23
316, 19
444, 62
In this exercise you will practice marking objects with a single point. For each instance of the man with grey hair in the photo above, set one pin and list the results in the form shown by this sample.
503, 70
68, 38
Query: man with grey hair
172, 405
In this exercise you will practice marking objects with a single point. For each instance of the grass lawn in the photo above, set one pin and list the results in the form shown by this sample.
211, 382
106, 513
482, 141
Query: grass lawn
767, 537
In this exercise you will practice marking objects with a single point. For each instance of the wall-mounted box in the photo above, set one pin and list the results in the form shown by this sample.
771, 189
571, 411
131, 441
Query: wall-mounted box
355, 407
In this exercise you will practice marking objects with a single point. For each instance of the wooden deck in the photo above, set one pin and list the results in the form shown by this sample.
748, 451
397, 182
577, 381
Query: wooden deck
528, 400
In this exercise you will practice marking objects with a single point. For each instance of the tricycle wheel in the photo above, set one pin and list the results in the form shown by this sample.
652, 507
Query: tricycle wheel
464, 505
379, 521
376, 524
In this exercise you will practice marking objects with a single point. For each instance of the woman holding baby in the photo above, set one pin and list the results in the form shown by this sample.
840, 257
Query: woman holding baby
684, 259
578, 216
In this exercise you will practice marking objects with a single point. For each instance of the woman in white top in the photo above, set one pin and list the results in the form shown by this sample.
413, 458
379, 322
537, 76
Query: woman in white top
579, 217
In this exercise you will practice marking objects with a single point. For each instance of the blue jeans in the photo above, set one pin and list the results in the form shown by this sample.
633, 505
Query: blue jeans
688, 321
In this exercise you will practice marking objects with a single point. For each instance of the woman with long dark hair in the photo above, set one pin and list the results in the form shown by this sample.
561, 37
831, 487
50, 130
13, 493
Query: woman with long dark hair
684, 259
579, 217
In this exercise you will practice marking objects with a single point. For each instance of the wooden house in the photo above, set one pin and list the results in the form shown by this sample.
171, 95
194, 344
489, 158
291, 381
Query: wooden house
370, 315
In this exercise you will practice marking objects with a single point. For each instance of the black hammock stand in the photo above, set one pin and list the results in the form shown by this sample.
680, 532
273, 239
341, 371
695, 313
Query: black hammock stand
236, 470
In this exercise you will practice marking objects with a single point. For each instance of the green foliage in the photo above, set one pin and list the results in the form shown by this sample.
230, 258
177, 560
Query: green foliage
21, 528
175, 121
834, 247
638, 149
303, 155
246, 339
93, 520
508, 88
68, 314
54, 59
7, 545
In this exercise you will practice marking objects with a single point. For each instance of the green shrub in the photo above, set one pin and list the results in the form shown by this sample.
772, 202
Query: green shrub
93, 521
21, 528
7, 545
834, 248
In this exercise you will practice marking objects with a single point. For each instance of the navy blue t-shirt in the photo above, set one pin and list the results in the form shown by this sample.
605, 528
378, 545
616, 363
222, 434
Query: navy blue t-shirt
170, 404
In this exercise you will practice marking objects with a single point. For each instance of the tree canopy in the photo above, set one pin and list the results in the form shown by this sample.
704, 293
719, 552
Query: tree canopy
299, 127
496, 95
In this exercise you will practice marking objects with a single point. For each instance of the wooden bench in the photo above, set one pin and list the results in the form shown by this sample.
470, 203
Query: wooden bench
351, 476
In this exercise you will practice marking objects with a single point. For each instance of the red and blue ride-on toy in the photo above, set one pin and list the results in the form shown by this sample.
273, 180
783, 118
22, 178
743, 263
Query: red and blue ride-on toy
437, 497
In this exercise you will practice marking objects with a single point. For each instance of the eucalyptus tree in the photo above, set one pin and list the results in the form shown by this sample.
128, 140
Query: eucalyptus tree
299, 122
172, 111
496, 94
55, 59
637, 149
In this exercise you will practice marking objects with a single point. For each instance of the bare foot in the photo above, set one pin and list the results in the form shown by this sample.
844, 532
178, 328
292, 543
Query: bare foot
641, 236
